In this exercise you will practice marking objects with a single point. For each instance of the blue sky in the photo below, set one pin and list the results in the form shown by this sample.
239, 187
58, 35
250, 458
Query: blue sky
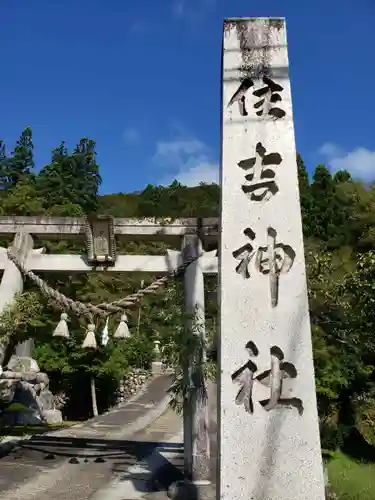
143, 80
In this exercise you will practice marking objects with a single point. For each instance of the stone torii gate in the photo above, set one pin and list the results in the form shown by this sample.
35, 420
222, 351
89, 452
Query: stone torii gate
191, 235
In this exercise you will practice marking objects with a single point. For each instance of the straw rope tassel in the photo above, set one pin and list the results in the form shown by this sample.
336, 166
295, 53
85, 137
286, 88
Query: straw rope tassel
62, 329
122, 331
90, 340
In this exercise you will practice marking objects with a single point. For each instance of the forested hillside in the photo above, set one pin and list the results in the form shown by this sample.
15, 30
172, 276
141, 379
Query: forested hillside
339, 228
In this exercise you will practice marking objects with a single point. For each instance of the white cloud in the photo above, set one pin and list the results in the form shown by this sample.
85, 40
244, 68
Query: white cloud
131, 136
330, 150
188, 160
204, 172
360, 162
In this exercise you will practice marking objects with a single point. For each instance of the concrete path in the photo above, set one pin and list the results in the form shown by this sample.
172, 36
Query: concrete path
136, 481
76, 463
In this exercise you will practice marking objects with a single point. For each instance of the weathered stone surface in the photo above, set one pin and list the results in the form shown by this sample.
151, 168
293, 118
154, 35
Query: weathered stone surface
23, 364
29, 377
131, 384
195, 408
25, 397
7, 390
157, 368
269, 436
52, 416
46, 400
42, 378
11, 375
25, 417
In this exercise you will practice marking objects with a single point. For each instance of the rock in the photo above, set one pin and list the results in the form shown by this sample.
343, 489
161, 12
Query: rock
17, 414
7, 390
42, 378
23, 364
27, 389
24, 397
30, 377
52, 416
30, 418
46, 400
131, 384
11, 375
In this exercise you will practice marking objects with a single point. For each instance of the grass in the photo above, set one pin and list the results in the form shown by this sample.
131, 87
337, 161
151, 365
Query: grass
351, 479
32, 430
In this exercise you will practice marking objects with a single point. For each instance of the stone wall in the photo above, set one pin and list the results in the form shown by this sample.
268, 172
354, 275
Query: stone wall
134, 381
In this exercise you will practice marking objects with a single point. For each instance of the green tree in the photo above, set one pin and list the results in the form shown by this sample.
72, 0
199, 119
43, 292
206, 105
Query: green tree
19, 322
322, 191
22, 199
304, 192
331, 208
21, 161
342, 176
71, 181
341, 296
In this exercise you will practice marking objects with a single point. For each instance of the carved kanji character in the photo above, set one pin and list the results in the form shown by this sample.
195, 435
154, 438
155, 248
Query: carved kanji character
269, 96
240, 96
244, 254
262, 185
273, 379
274, 259
245, 377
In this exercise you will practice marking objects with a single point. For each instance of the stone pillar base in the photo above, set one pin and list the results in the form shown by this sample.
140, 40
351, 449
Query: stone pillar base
157, 368
187, 490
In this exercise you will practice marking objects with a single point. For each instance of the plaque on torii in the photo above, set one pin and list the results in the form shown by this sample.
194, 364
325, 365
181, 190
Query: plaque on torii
100, 241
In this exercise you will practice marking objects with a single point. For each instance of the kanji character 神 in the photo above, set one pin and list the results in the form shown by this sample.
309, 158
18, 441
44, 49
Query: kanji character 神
273, 259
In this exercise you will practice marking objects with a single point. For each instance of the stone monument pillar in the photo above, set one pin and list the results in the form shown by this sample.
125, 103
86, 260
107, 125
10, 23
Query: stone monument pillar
269, 436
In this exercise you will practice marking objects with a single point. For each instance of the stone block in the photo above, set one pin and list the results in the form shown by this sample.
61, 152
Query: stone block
7, 390
52, 416
23, 364
156, 368
46, 400
42, 378
30, 377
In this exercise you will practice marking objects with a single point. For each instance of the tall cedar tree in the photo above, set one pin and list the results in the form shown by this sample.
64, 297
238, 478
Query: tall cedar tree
71, 178
21, 162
